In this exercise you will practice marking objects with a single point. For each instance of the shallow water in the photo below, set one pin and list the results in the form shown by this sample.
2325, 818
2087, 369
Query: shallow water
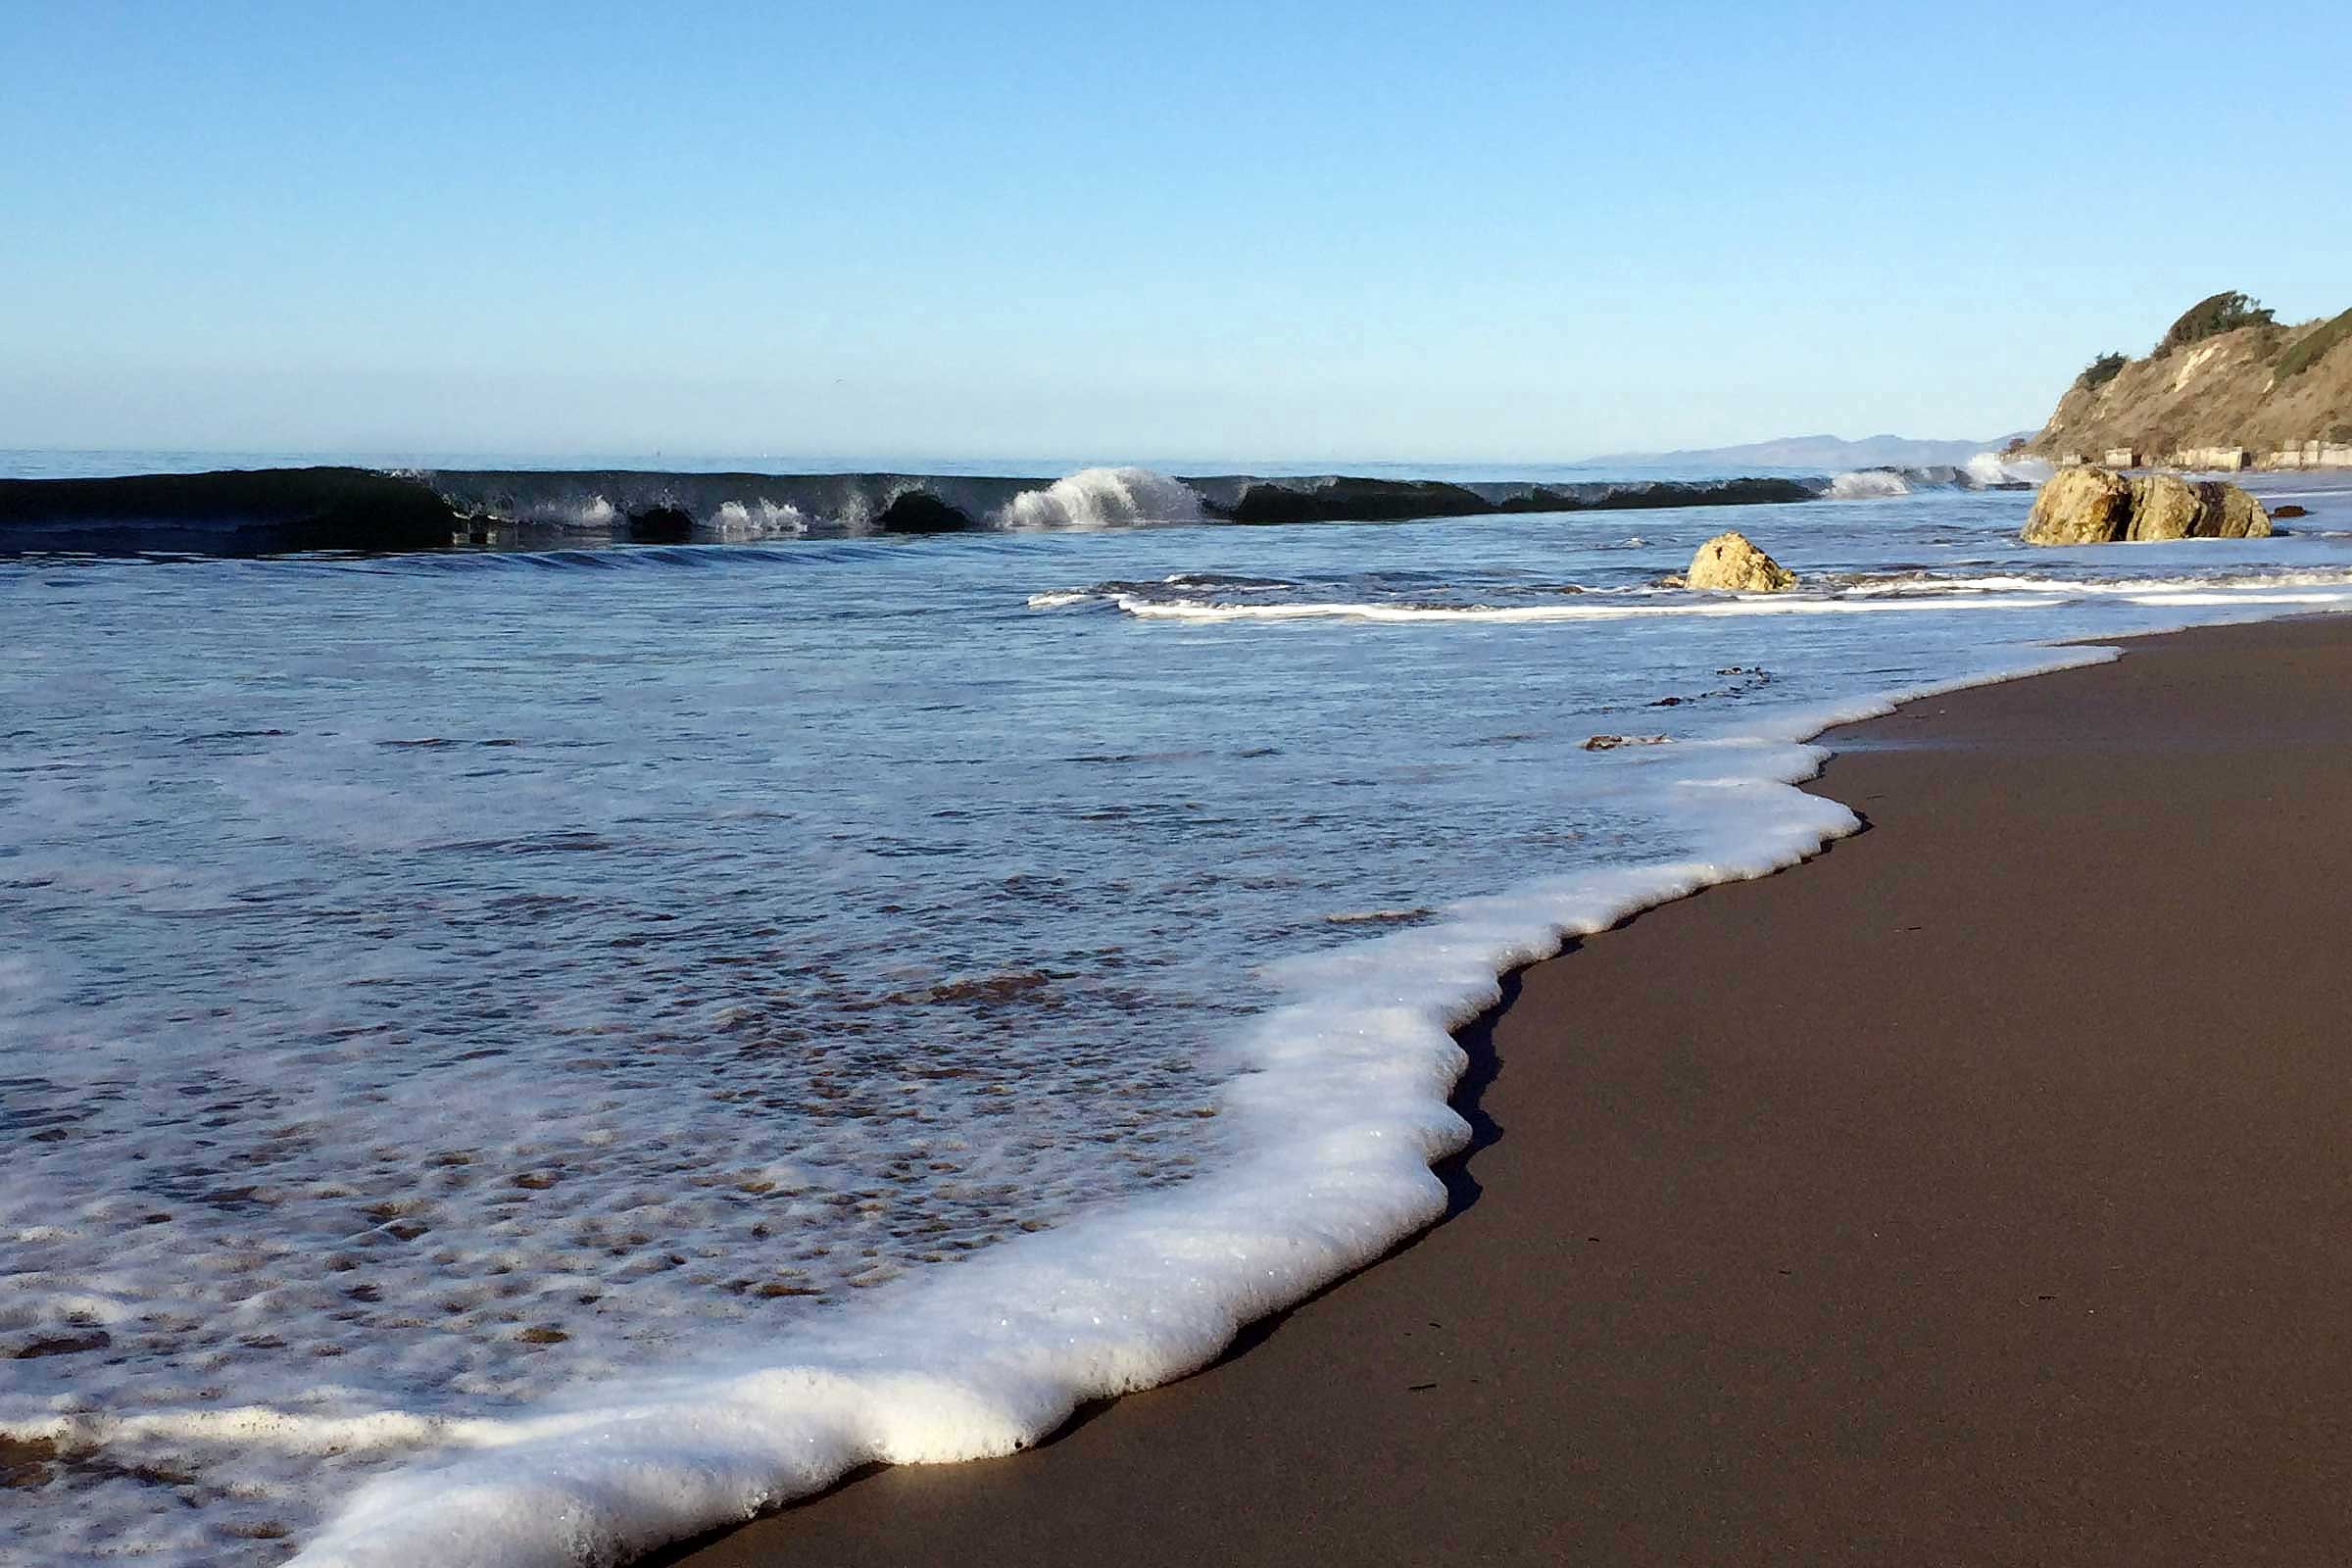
439, 986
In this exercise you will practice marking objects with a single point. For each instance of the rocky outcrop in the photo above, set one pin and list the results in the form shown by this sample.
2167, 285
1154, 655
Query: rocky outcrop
2242, 516
2095, 507
2080, 507
2165, 508
1731, 560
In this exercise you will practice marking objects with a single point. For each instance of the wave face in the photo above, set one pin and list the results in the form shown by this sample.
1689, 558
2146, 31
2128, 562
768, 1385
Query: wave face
284, 510
237, 512
515, 1057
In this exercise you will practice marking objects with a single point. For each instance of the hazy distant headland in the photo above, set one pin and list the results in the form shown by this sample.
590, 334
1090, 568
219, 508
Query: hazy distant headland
1827, 452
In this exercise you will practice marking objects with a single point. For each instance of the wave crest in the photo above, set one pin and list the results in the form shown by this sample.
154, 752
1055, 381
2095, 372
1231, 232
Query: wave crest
1104, 498
1866, 484
1992, 471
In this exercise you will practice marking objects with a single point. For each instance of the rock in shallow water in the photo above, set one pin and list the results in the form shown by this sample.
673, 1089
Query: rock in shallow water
2096, 507
1731, 561
2080, 507
2242, 516
2164, 507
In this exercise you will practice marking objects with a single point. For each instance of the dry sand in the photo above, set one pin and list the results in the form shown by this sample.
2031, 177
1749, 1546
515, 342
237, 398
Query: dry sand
1980, 1193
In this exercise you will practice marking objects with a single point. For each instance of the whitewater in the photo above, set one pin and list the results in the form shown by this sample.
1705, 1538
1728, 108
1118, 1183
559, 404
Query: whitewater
519, 1058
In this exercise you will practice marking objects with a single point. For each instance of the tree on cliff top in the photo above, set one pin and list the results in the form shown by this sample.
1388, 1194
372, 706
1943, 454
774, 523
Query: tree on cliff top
2217, 312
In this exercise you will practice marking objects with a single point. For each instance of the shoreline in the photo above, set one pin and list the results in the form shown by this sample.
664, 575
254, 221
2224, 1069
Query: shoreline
1456, 1376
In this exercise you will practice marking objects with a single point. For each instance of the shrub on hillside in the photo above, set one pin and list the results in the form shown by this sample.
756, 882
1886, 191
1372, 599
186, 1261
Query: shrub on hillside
2103, 369
2315, 346
2214, 315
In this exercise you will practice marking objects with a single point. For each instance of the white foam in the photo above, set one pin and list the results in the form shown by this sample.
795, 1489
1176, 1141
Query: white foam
1990, 468
1529, 615
1341, 1113
1900, 593
596, 514
1102, 498
738, 524
1868, 484
2132, 589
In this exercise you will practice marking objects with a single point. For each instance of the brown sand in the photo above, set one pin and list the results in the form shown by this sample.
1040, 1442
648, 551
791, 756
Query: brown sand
1980, 1193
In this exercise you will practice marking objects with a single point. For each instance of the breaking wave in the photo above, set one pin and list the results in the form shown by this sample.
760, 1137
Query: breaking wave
282, 510
1986, 470
1992, 471
1104, 498
1868, 484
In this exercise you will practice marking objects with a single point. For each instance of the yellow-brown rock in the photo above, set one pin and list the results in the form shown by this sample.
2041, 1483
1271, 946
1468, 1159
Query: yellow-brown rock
2080, 507
2094, 507
2242, 516
1731, 560
2164, 506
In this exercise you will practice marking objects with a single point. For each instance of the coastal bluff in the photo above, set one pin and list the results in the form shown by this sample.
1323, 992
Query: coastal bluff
2098, 506
2226, 387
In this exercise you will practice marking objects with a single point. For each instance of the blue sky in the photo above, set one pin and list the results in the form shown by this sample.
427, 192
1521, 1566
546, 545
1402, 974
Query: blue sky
1203, 231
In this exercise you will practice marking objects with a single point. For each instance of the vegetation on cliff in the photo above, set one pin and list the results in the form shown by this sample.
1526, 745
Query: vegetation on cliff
2210, 316
2103, 369
2313, 347
2224, 374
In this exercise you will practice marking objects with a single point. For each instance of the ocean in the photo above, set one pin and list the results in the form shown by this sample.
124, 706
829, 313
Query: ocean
517, 1055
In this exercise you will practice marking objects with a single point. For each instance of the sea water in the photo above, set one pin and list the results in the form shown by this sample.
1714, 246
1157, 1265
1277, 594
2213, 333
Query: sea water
516, 1057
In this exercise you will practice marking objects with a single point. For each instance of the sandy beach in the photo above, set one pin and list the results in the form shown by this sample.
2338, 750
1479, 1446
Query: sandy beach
1976, 1193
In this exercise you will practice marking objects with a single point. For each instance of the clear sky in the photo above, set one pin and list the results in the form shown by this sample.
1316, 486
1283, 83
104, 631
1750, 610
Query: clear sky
1200, 230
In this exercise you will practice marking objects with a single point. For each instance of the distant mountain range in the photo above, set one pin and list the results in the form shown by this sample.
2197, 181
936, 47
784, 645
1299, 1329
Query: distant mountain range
1822, 451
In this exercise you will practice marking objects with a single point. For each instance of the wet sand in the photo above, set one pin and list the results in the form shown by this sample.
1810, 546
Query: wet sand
1978, 1193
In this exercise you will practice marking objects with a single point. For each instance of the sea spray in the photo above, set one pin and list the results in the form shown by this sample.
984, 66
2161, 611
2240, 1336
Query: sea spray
1868, 484
1104, 498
